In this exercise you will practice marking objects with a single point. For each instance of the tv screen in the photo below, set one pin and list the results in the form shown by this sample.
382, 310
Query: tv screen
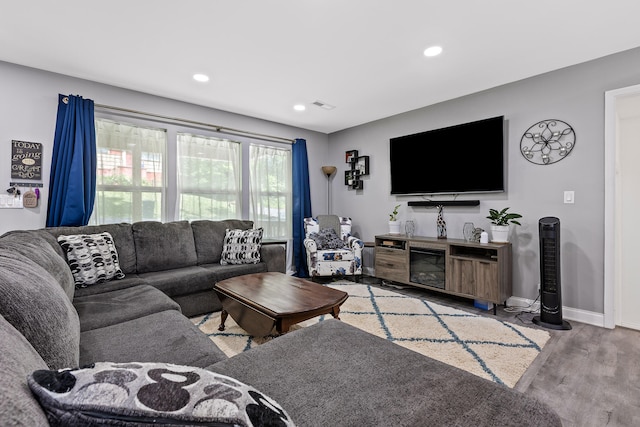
466, 158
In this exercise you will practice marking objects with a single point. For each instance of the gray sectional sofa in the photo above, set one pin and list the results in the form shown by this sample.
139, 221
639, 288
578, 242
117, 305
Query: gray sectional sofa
327, 374
181, 258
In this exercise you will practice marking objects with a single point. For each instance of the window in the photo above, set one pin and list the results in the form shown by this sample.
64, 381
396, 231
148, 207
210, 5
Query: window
184, 173
130, 173
270, 189
209, 185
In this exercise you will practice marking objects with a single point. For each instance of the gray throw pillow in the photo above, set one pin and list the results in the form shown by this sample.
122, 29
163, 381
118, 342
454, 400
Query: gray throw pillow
93, 258
125, 394
327, 239
241, 247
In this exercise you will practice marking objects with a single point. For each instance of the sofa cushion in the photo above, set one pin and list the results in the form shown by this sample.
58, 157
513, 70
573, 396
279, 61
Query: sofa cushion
155, 393
110, 308
209, 237
167, 336
129, 281
164, 246
241, 246
122, 237
35, 304
198, 303
222, 272
36, 246
181, 281
18, 406
92, 258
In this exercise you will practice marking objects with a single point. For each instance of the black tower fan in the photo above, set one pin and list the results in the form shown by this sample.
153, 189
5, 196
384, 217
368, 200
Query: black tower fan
550, 296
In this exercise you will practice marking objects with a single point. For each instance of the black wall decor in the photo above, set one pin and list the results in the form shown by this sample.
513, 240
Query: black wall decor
26, 160
358, 167
547, 142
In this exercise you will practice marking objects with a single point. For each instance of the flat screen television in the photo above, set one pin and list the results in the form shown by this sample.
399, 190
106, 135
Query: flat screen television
465, 158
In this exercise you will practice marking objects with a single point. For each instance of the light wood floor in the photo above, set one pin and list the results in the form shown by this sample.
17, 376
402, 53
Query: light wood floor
589, 375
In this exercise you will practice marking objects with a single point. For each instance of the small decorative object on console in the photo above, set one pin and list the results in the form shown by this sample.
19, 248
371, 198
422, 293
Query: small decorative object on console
410, 228
394, 224
467, 231
441, 224
477, 233
500, 221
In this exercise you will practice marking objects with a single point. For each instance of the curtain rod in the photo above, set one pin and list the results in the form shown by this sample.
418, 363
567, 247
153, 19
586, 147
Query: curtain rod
217, 128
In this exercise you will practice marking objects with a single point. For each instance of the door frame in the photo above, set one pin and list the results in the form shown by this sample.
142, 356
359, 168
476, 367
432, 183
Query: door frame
612, 279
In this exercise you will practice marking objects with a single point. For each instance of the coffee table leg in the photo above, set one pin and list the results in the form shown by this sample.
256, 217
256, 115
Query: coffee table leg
335, 312
223, 318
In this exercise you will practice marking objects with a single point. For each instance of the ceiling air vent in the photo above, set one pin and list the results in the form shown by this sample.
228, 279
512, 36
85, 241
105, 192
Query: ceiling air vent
323, 105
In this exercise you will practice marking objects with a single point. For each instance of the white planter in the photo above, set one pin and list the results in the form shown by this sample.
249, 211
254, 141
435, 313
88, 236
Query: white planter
500, 233
394, 227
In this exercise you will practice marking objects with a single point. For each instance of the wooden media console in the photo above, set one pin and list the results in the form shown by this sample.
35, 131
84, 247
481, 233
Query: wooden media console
480, 271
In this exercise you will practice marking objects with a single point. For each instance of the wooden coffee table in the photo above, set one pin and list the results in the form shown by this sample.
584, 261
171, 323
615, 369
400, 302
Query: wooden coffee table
261, 302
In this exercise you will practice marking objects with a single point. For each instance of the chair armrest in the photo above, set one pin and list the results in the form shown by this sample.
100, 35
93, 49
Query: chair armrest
310, 245
275, 257
355, 245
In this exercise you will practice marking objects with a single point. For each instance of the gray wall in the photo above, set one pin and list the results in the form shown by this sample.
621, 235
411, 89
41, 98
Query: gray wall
29, 114
575, 95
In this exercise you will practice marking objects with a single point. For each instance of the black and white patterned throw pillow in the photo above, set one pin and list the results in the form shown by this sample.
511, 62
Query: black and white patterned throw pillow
241, 246
327, 239
92, 258
126, 394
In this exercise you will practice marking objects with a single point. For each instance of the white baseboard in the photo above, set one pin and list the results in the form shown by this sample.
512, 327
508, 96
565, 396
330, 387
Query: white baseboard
568, 313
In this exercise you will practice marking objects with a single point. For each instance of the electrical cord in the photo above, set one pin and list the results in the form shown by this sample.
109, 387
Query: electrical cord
523, 309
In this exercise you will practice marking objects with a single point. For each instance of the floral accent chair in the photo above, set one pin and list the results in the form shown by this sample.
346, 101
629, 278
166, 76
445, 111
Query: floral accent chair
331, 249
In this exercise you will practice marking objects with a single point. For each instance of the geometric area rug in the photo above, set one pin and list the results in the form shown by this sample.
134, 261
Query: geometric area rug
488, 347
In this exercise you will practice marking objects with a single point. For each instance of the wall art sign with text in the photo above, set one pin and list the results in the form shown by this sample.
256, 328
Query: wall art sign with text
26, 160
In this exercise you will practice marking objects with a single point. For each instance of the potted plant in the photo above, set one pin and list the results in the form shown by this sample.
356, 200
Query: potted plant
394, 224
500, 222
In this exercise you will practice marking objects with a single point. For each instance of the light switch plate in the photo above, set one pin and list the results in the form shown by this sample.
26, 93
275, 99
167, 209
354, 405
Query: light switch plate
10, 202
569, 197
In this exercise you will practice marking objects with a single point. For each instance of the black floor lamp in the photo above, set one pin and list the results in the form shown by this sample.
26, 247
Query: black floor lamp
328, 171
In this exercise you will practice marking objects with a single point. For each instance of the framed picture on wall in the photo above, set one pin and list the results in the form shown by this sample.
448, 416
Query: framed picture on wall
362, 165
350, 156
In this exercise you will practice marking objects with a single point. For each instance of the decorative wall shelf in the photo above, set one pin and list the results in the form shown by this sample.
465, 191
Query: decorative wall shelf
359, 167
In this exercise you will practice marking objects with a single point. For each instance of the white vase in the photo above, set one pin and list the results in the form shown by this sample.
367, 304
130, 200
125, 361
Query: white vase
394, 227
500, 233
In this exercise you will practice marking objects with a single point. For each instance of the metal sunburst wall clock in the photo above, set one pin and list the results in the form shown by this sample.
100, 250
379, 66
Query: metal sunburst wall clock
547, 142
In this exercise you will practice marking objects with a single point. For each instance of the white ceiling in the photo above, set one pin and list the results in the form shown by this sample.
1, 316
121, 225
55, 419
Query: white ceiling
362, 56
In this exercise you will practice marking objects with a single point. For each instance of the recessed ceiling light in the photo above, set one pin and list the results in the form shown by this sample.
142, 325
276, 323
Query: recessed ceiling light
203, 78
299, 107
433, 51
